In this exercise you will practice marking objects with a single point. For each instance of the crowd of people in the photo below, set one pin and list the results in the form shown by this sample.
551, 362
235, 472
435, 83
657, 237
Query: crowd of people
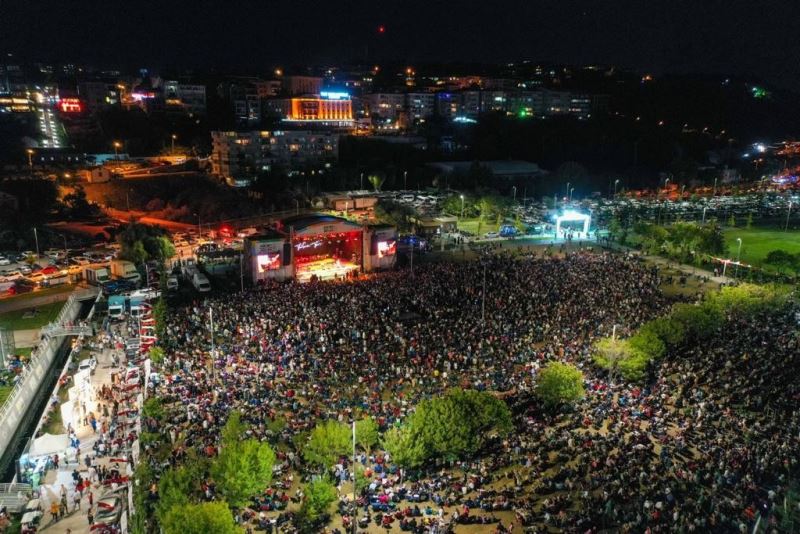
692, 450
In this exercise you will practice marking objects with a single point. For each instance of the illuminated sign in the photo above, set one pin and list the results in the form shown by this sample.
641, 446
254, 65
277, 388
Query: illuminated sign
334, 95
308, 244
320, 109
387, 248
268, 262
143, 96
70, 105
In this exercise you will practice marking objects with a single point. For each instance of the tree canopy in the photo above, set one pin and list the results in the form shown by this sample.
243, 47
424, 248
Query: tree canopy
328, 441
201, 518
243, 467
454, 425
559, 383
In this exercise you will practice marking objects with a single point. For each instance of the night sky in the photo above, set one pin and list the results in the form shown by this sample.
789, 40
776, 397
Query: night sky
729, 37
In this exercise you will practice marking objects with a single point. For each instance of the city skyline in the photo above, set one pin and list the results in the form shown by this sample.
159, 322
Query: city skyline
731, 39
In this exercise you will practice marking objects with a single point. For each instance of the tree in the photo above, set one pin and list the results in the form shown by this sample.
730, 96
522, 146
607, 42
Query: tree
243, 467
559, 383
160, 317
178, 486
156, 355
377, 181
319, 495
403, 448
152, 408
617, 355
328, 441
458, 423
670, 332
732, 221
200, 519
647, 343
367, 433
783, 261
699, 322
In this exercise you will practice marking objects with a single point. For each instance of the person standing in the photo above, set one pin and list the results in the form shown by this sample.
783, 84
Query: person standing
90, 516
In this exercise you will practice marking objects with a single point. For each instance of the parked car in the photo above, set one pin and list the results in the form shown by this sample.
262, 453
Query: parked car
4, 261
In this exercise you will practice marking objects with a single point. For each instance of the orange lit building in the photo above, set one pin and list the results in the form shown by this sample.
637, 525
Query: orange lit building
306, 109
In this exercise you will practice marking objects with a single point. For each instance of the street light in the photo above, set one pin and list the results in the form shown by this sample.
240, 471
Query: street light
30, 159
462, 206
738, 255
117, 146
362, 182
714, 193
704, 214
789, 212
36, 237
568, 184
173, 143
616, 182
514, 187
405, 180
571, 189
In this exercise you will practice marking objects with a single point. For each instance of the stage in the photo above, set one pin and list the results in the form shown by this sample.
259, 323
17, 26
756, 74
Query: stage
324, 269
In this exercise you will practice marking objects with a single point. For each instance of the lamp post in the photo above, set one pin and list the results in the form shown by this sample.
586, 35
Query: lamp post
296, 207
704, 214
36, 238
462, 206
738, 256
213, 348
173, 143
405, 180
568, 184
514, 187
483, 297
361, 187
714, 193
30, 159
117, 146
616, 183
788, 212
355, 504
571, 189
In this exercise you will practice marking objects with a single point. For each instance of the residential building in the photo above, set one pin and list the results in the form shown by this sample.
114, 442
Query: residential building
191, 98
302, 85
239, 157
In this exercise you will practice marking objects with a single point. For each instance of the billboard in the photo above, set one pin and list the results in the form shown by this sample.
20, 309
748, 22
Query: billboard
387, 248
268, 262
70, 105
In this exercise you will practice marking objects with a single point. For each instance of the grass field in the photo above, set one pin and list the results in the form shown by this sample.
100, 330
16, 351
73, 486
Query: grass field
758, 242
471, 226
46, 313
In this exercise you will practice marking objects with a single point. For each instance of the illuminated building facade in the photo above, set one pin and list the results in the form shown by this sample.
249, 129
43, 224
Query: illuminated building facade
332, 108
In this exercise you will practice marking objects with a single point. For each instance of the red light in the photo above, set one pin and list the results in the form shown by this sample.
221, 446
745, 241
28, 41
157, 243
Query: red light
381, 29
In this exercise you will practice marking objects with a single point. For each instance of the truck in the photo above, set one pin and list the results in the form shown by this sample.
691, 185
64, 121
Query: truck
201, 283
97, 275
125, 270
116, 306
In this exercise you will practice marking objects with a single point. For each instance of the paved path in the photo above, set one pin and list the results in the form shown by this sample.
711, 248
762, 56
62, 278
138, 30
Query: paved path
14, 304
76, 519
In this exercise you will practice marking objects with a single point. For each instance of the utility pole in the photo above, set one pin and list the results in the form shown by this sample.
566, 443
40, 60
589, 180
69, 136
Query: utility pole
789, 212
412, 256
241, 270
355, 498
213, 348
36, 237
483, 297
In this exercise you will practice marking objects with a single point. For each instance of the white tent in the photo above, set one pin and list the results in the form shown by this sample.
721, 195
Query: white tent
49, 444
